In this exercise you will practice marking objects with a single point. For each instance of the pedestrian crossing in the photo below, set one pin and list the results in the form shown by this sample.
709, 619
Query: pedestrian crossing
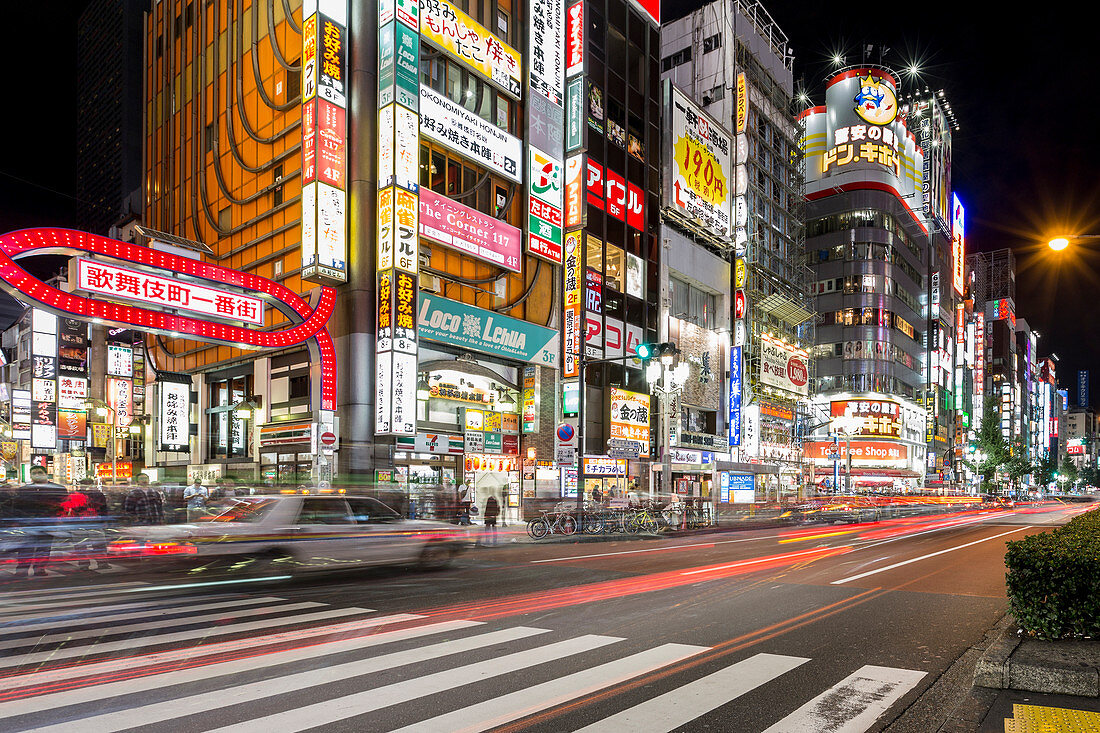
254, 664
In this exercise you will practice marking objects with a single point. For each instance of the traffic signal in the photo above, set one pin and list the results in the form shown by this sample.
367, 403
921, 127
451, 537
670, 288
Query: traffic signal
666, 352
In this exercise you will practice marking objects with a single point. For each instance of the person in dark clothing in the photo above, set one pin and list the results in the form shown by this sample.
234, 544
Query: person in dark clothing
89, 504
38, 505
492, 511
144, 505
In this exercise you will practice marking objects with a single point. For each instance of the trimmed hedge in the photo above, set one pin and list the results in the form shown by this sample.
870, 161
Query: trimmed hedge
1053, 580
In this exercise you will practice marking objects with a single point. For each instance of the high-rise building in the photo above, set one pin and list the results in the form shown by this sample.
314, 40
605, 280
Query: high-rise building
887, 274
108, 112
733, 61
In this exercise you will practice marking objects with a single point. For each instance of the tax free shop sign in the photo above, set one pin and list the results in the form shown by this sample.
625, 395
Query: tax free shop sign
477, 329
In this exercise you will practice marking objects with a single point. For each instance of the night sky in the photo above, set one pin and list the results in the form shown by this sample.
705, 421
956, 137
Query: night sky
1022, 83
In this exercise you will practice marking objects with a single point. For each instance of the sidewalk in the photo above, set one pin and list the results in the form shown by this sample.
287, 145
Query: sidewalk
1006, 683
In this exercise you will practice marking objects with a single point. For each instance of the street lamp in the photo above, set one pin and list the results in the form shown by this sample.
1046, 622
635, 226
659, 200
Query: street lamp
846, 425
1060, 243
674, 377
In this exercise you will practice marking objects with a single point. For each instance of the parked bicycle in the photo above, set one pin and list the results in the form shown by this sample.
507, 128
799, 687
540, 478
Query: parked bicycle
559, 523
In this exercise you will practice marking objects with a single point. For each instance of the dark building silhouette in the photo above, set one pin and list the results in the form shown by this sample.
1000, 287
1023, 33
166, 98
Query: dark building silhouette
109, 110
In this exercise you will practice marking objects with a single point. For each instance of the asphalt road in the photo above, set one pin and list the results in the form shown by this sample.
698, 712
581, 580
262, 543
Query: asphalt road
817, 628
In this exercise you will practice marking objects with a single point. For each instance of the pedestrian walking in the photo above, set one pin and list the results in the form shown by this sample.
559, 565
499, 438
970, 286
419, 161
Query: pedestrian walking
492, 511
39, 507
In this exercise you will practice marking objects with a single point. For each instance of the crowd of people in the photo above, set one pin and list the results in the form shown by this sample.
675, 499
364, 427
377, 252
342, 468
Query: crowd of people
39, 517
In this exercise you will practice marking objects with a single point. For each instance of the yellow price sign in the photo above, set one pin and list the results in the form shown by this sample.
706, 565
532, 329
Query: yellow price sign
701, 171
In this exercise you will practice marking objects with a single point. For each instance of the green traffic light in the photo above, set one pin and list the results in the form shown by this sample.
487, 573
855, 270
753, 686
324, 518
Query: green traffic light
644, 351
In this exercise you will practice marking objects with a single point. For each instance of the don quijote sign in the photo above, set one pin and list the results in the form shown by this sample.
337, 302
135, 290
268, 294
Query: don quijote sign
784, 366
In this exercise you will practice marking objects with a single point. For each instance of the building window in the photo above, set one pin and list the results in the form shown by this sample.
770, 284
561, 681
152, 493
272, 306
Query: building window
676, 59
690, 303
208, 137
225, 218
227, 434
294, 79
711, 43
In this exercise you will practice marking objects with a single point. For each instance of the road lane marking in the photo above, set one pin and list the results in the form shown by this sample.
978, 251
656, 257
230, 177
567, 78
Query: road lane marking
853, 704
278, 686
684, 704
652, 549
498, 711
333, 711
924, 557
757, 561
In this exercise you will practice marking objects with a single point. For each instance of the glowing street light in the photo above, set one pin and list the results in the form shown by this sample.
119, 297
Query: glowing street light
1060, 243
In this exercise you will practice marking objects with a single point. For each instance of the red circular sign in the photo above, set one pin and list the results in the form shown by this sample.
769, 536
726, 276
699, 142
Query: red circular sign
328, 439
739, 304
797, 371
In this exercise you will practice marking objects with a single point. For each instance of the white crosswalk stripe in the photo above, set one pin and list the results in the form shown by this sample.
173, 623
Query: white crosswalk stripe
124, 644
684, 704
853, 704
90, 618
68, 636
331, 669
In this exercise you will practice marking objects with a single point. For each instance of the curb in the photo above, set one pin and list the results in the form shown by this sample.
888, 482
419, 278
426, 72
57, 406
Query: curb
1067, 667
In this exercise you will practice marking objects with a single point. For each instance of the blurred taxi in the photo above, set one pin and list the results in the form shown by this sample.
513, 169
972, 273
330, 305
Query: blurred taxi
288, 534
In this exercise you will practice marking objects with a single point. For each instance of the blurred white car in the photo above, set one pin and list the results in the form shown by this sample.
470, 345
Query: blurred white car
288, 534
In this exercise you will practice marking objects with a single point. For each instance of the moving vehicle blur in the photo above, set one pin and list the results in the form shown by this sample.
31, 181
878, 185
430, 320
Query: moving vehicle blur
285, 535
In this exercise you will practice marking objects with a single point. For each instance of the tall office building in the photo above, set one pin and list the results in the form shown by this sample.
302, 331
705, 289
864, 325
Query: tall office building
108, 112
733, 61
887, 275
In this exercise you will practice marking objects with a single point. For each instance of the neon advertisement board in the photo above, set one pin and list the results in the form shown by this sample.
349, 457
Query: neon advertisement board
958, 245
447, 222
698, 152
450, 29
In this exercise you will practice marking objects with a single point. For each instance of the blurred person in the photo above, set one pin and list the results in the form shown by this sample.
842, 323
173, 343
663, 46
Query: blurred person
196, 497
492, 511
38, 505
96, 513
144, 504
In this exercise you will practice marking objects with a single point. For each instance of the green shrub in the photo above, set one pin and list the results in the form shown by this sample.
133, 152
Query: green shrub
1053, 580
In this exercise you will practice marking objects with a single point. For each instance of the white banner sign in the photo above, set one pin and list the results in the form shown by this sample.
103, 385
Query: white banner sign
167, 292
784, 366
459, 129
175, 414
700, 163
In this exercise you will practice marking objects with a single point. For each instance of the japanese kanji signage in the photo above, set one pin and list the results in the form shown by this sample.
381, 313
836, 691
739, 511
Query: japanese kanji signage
398, 249
120, 398
324, 138
571, 326
43, 422
544, 206
457, 128
174, 417
858, 137
450, 29
879, 418
699, 164
122, 282
629, 418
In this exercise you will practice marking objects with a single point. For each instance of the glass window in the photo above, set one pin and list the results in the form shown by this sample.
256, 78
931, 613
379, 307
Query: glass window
246, 510
615, 272
366, 510
324, 510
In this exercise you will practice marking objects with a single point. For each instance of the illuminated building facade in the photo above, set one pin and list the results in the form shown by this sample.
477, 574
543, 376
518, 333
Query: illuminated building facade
888, 275
358, 147
734, 62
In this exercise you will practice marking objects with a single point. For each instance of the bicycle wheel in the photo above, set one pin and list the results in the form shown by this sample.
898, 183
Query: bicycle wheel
538, 528
649, 523
592, 524
632, 523
568, 524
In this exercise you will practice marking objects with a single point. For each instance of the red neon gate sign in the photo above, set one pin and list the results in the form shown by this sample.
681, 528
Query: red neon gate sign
311, 319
